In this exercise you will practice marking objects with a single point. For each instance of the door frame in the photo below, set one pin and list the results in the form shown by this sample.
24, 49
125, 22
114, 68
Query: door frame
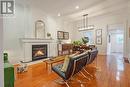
108, 30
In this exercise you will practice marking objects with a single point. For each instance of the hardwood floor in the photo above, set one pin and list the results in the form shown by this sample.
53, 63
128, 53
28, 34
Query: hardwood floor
114, 73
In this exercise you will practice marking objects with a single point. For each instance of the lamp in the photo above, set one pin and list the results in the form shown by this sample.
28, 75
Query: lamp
85, 25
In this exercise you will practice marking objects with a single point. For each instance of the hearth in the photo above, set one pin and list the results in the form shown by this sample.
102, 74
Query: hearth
39, 52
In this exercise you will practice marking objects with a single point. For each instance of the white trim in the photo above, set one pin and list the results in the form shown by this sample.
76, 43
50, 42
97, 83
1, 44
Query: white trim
36, 40
1, 53
129, 58
27, 47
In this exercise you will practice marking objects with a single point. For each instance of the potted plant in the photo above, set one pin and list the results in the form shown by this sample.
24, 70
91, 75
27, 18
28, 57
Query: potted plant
85, 40
76, 45
49, 35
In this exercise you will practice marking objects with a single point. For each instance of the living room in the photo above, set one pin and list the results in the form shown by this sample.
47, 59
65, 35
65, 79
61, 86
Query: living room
62, 23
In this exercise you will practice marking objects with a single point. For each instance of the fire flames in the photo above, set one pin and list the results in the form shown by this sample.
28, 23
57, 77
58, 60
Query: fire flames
39, 53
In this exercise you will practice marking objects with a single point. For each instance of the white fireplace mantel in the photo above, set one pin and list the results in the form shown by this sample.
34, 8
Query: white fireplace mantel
37, 40
27, 47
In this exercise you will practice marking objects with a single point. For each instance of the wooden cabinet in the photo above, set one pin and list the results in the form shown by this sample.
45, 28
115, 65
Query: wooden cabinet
64, 49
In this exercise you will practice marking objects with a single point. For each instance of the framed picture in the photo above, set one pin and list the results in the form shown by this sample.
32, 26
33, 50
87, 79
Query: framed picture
99, 36
66, 35
99, 40
60, 34
99, 32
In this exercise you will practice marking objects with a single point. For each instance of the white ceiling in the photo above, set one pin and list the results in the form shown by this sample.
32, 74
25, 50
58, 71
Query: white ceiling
106, 7
65, 7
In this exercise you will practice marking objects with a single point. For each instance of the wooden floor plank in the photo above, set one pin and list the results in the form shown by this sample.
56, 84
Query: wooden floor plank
114, 73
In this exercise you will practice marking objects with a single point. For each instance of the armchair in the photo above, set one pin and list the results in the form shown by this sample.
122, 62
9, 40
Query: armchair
92, 57
76, 64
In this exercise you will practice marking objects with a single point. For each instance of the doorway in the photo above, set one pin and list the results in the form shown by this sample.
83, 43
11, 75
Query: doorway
115, 42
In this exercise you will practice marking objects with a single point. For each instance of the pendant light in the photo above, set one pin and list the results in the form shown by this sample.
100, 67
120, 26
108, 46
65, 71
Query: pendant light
85, 25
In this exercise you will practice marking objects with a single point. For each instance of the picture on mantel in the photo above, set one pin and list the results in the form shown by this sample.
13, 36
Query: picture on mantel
60, 34
66, 35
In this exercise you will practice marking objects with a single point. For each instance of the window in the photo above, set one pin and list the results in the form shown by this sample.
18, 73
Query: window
90, 35
119, 38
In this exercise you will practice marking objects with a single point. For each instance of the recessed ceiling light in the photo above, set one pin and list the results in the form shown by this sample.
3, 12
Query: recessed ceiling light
77, 7
59, 14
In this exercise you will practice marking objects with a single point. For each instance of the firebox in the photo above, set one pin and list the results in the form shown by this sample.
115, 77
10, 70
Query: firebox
39, 52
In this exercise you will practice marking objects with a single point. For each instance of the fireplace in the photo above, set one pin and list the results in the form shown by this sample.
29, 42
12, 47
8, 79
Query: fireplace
39, 52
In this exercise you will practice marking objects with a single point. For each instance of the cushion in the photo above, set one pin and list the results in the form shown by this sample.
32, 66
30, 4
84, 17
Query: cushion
57, 69
66, 62
65, 65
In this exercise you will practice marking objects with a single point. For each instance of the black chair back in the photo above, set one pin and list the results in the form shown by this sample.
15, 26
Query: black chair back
92, 55
79, 63
76, 64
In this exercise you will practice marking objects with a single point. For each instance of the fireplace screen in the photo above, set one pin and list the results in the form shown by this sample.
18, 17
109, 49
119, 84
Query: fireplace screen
39, 52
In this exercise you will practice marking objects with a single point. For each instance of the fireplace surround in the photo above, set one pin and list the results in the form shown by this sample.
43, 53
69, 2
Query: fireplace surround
27, 47
39, 52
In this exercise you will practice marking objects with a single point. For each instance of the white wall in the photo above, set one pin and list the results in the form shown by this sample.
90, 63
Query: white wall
102, 22
1, 53
23, 26
128, 30
14, 28
52, 24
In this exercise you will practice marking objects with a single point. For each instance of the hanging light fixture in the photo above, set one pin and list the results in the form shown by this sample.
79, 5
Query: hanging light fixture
85, 25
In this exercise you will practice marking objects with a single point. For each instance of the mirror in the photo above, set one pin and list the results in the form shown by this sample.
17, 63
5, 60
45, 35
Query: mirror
39, 29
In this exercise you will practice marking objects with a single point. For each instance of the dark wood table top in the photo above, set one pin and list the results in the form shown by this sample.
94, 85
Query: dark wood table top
55, 60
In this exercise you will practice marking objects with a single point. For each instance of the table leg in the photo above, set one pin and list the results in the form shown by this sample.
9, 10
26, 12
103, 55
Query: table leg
51, 67
46, 66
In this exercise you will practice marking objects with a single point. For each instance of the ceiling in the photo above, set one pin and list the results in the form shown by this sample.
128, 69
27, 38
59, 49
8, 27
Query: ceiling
65, 7
105, 7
